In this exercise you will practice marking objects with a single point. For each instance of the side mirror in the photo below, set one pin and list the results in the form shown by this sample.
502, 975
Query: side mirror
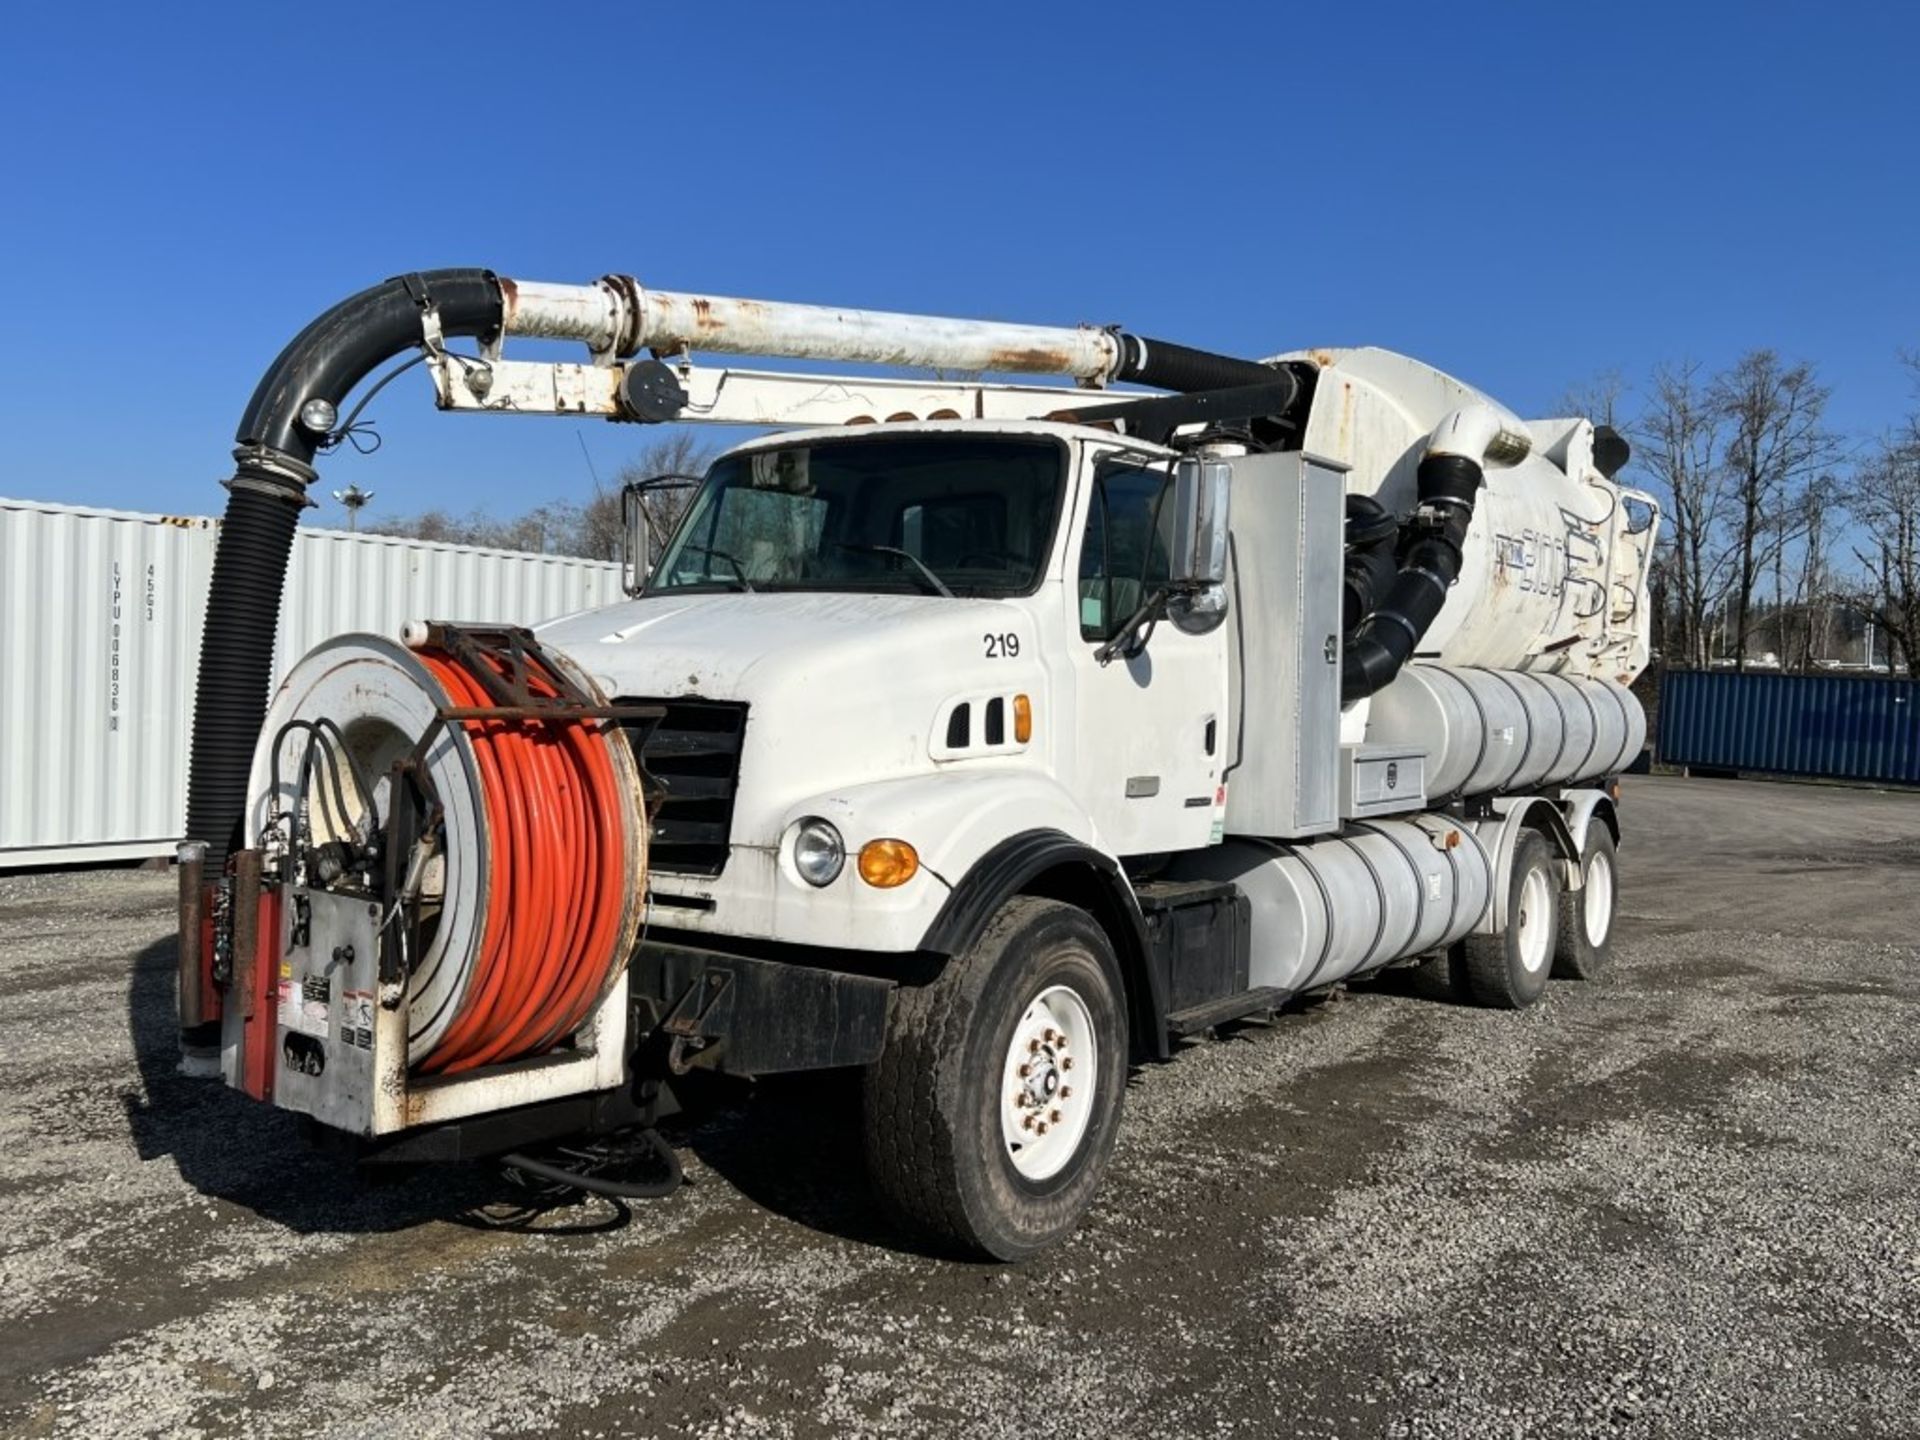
1200, 497
649, 510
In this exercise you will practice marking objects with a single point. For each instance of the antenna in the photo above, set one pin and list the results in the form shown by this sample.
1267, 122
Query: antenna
588, 455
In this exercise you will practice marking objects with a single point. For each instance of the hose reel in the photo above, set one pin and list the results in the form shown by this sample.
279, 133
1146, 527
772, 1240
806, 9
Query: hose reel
504, 840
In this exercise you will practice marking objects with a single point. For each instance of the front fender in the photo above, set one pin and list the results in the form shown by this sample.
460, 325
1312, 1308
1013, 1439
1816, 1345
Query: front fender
951, 818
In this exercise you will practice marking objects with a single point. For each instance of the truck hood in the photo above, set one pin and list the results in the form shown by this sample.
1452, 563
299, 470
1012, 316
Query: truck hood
753, 647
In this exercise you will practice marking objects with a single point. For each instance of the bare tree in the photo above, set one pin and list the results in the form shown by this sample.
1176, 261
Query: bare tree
1601, 399
1775, 446
1885, 502
594, 530
678, 452
1677, 438
1816, 584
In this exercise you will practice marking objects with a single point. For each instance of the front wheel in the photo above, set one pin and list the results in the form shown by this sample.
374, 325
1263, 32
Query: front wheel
991, 1114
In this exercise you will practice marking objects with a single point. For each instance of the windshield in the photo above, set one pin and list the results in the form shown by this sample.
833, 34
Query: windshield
935, 515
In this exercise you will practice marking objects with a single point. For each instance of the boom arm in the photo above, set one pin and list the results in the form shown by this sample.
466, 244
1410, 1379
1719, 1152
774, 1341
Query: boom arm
650, 390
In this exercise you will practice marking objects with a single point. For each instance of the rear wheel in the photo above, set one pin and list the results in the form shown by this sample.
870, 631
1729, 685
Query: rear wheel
1585, 948
1509, 971
992, 1113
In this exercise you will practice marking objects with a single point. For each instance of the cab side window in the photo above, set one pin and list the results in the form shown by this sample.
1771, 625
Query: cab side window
1124, 550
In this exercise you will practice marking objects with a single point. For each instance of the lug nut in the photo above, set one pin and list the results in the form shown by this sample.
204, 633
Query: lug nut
1026, 1123
1052, 1035
1066, 1062
1053, 1117
1041, 1128
1033, 1047
1066, 1092
1024, 1071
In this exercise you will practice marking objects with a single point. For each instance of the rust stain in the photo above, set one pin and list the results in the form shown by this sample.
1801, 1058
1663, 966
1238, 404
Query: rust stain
509, 299
1028, 358
703, 317
1322, 358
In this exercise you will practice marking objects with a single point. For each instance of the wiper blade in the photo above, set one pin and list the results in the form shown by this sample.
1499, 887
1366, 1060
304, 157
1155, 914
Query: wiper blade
739, 570
926, 571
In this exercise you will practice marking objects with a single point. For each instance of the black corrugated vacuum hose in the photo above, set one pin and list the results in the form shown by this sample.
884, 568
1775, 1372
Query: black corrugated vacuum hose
267, 493
1166, 366
1385, 640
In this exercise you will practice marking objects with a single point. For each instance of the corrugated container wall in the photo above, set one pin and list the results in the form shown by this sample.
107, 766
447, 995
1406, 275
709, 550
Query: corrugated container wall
1848, 727
100, 619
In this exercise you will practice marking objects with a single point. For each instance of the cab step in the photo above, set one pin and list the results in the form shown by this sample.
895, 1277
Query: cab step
1196, 1018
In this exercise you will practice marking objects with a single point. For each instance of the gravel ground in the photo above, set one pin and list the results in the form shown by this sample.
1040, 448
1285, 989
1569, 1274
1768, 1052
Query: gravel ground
1680, 1202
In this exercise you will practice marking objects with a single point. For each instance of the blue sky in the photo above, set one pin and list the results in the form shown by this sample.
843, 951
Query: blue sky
1524, 195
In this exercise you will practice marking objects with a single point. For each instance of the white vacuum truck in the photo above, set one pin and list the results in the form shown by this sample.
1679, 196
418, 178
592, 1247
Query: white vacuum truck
988, 736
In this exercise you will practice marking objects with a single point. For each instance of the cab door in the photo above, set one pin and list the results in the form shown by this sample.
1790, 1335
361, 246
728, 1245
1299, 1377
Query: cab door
1151, 725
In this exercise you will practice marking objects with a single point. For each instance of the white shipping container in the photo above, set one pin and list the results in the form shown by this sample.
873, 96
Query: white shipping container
101, 613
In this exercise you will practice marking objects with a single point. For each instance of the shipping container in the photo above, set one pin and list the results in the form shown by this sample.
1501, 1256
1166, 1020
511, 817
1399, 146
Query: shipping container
100, 620
1848, 727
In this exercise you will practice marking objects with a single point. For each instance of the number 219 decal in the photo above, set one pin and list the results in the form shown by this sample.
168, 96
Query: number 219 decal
1002, 647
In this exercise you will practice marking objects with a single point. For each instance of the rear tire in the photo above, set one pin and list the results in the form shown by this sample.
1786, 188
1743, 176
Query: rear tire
962, 1144
1585, 947
1509, 971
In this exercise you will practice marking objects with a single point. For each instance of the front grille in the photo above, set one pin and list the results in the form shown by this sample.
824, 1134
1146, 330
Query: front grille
693, 759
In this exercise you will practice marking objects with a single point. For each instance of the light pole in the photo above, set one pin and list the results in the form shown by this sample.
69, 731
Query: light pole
353, 497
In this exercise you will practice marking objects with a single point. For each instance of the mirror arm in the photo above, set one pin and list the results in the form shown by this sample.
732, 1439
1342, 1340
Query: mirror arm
1127, 641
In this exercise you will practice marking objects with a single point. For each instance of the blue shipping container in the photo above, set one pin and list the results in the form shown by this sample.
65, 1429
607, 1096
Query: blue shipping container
1850, 727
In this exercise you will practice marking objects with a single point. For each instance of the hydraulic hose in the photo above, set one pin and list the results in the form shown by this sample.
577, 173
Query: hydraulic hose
267, 492
654, 1143
557, 879
1448, 482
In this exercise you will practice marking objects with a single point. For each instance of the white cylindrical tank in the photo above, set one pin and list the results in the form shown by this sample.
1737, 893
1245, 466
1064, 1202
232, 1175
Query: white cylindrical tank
1378, 892
1487, 731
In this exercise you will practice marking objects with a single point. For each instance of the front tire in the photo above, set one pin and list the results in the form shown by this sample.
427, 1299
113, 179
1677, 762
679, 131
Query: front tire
1509, 971
1585, 948
991, 1115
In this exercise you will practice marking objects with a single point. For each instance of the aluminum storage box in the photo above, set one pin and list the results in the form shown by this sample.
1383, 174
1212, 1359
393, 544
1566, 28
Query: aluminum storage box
100, 619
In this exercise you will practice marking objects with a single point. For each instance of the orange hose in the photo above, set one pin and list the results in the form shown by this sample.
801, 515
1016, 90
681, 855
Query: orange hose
557, 884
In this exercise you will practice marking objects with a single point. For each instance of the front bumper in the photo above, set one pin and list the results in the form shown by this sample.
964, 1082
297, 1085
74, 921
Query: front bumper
753, 1015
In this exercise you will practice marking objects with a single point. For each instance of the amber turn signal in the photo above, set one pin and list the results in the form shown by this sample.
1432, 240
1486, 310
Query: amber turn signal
1022, 719
887, 863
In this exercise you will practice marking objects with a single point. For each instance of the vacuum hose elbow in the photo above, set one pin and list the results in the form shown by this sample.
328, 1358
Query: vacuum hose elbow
1432, 543
275, 452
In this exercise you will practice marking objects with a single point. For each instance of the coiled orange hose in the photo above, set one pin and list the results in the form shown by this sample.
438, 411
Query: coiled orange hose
557, 883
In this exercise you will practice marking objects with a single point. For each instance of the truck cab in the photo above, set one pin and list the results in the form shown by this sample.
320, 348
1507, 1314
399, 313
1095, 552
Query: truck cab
912, 635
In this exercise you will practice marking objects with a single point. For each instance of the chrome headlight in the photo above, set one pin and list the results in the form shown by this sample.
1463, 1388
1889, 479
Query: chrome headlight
819, 853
